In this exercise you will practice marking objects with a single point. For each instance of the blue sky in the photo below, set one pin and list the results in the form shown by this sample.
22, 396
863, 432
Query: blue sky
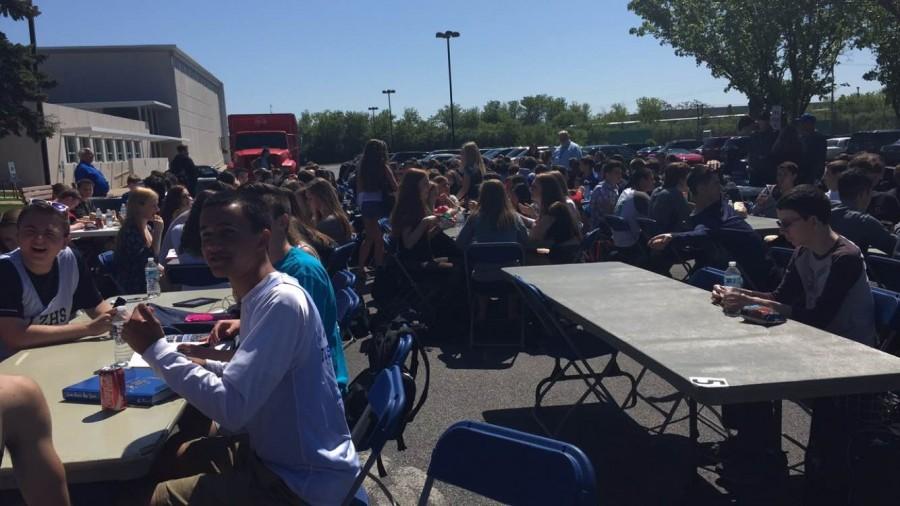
316, 55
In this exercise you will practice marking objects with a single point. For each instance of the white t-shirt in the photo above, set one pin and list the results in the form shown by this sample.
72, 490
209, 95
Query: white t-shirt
279, 386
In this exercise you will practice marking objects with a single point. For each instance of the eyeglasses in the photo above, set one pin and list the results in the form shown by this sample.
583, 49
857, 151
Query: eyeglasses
785, 224
59, 206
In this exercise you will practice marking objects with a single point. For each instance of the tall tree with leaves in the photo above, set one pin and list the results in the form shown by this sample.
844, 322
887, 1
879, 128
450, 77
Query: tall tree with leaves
776, 52
21, 85
881, 34
649, 109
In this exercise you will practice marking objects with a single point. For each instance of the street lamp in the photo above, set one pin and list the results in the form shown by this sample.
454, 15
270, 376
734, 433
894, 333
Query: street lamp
449, 35
390, 114
372, 110
39, 105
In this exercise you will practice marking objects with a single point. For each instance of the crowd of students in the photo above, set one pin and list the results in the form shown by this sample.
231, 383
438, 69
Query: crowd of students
271, 233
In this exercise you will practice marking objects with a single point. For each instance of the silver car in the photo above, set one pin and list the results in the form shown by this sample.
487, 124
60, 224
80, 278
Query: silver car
836, 147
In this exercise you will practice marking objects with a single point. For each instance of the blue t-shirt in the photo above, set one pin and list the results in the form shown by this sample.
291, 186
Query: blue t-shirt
88, 171
312, 276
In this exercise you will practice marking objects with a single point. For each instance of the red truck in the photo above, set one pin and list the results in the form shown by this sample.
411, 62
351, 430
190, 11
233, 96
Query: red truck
250, 133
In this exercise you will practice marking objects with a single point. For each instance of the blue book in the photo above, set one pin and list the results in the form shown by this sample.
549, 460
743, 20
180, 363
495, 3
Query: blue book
142, 388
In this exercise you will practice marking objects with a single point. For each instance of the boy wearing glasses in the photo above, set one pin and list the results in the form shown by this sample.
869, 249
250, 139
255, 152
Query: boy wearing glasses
45, 283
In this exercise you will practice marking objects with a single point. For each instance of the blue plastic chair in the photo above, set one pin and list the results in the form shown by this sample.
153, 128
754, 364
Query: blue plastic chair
343, 279
571, 348
511, 467
706, 277
107, 268
887, 321
483, 262
404, 346
885, 271
377, 425
193, 275
347, 302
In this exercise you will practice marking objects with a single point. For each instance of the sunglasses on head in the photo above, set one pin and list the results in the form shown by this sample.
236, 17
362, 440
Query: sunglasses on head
58, 206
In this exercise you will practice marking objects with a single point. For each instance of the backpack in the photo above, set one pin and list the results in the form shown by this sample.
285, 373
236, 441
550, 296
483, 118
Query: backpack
380, 350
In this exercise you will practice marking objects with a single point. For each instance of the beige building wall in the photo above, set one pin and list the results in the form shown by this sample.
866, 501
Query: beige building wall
200, 117
27, 154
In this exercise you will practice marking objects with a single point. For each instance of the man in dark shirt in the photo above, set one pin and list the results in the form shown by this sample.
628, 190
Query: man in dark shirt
884, 205
718, 233
37, 312
814, 147
182, 166
762, 164
850, 219
85, 191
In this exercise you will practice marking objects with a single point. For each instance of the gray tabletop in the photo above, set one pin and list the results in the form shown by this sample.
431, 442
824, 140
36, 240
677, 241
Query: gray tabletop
95, 445
97, 232
671, 328
762, 225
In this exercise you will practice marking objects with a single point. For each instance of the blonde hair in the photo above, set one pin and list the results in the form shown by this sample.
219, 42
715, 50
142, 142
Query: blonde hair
137, 198
472, 156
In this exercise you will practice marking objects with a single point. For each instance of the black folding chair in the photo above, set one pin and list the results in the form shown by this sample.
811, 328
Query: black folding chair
409, 293
340, 257
571, 347
649, 229
483, 262
885, 271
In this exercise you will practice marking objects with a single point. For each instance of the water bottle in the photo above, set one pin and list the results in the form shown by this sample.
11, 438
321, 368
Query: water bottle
151, 275
733, 279
122, 352
122, 212
109, 218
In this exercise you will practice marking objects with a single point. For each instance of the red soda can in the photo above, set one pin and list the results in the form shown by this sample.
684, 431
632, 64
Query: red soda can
112, 388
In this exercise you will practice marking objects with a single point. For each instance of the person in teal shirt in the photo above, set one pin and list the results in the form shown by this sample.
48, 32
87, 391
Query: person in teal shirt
313, 277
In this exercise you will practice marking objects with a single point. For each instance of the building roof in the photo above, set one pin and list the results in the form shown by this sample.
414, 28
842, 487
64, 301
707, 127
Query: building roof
125, 134
169, 48
117, 104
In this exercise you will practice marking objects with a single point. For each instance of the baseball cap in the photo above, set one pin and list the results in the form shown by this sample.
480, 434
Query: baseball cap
806, 118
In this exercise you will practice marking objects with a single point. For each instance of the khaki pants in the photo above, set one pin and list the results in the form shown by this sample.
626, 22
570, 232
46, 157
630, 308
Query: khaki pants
228, 472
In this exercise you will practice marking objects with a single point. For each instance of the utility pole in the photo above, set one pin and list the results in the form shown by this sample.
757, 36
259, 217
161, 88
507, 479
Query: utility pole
449, 35
390, 114
38, 104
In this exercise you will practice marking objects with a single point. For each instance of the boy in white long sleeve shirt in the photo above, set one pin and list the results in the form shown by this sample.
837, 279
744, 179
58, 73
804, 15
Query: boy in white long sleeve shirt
279, 387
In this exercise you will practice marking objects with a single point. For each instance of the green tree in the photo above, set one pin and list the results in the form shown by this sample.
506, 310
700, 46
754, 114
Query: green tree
649, 109
616, 113
881, 34
776, 52
20, 84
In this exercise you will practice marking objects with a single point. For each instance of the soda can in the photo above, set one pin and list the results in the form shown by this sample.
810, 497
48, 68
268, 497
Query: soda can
112, 388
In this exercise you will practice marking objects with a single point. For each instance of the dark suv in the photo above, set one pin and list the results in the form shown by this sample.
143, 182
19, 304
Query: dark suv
871, 141
712, 147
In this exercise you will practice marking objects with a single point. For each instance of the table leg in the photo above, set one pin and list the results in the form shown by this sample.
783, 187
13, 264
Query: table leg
692, 421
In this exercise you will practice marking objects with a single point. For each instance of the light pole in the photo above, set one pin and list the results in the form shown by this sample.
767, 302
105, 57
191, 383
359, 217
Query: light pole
38, 104
390, 114
449, 35
372, 110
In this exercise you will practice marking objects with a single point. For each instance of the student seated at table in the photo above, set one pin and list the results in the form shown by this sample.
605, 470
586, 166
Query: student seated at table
305, 268
44, 284
420, 245
25, 431
9, 233
85, 189
634, 202
833, 171
71, 199
717, 232
826, 287
189, 249
668, 205
137, 240
326, 210
495, 220
850, 219
884, 206
785, 179
606, 194
132, 182
279, 388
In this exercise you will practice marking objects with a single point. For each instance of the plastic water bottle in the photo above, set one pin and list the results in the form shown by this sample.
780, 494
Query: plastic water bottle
122, 351
109, 218
733, 279
122, 212
151, 275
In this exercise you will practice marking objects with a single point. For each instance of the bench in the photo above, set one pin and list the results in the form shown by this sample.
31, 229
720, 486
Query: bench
44, 192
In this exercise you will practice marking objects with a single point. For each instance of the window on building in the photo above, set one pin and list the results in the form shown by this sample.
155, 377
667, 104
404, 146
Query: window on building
138, 149
129, 149
120, 149
84, 142
110, 150
71, 149
99, 153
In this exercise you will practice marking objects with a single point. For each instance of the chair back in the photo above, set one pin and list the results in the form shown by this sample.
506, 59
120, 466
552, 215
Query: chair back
379, 422
511, 467
404, 346
781, 256
484, 260
193, 275
886, 305
105, 261
340, 257
347, 302
885, 271
706, 277
617, 223
649, 227
343, 279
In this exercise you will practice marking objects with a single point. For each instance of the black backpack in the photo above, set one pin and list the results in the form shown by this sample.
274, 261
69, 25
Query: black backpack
380, 349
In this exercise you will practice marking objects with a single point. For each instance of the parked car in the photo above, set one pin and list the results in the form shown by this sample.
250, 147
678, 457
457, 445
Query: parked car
836, 147
648, 151
684, 155
637, 146
687, 144
440, 157
734, 155
402, 156
891, 154
611, 149
871, 141
712, 146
